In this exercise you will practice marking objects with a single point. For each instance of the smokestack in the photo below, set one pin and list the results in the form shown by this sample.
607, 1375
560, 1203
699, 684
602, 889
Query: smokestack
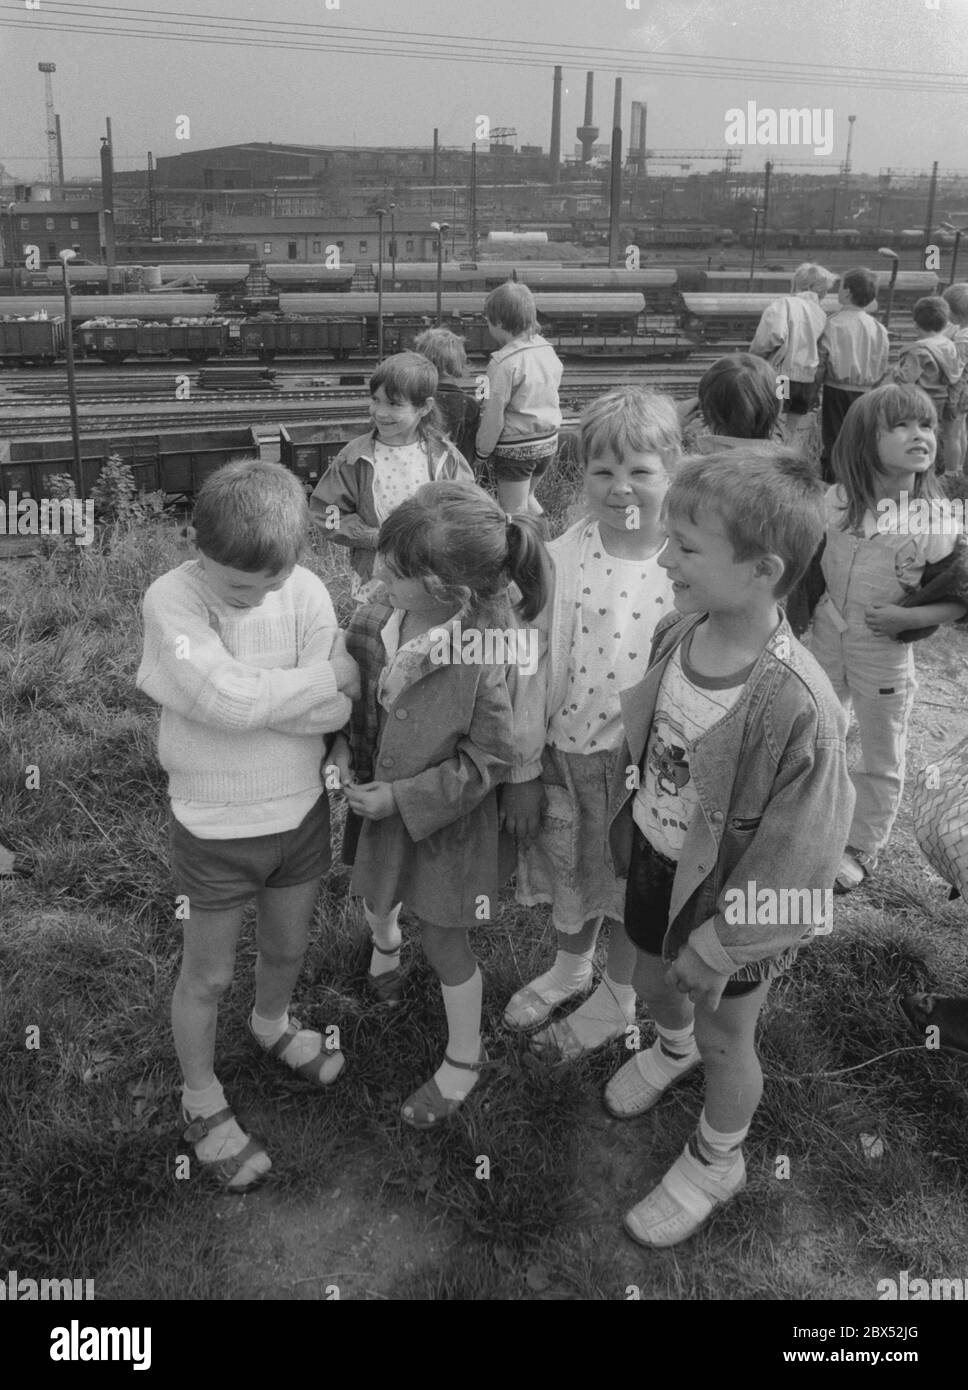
615, 181
588, 133
556, 126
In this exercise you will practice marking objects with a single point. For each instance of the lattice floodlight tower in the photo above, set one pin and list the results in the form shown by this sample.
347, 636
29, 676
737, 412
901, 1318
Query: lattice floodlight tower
47, 69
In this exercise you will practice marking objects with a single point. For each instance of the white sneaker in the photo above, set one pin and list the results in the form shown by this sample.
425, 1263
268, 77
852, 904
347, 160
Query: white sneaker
683, 1200
629, 1094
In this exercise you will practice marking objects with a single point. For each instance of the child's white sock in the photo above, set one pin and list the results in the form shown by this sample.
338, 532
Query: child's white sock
604, 1015
304, 1047
571, 970
718, 1152
669, 1055
462, 1004
226, 1139
386, 934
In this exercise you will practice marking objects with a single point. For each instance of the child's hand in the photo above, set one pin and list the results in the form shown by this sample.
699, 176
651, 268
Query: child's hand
341, 758
347, 675
887, 619
690, 974
371, 800
521, 804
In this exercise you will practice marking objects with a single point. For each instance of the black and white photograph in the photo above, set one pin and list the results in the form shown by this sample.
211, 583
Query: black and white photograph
484, 667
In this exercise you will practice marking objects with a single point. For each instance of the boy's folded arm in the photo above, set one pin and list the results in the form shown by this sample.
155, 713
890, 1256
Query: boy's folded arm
187, 668
795, 849
442, 794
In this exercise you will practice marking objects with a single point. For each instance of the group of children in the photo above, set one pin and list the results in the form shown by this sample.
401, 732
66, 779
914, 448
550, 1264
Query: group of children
670, 744
845, 354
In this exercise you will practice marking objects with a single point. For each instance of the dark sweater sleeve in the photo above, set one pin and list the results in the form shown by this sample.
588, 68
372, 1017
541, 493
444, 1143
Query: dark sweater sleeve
945, 581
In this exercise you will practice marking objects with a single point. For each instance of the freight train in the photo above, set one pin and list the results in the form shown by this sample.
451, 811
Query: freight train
609, 312
336, 325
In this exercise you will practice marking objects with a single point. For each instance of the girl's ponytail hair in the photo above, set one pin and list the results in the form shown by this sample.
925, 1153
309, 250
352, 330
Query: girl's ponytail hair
457, 539
527, 564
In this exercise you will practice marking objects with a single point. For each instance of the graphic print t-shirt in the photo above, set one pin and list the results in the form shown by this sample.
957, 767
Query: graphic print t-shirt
686, 706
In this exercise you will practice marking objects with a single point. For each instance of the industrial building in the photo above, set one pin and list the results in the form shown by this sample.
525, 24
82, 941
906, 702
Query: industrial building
52, 227
306, 238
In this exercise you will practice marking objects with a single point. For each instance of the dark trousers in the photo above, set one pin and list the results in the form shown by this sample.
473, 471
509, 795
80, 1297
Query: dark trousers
835, 405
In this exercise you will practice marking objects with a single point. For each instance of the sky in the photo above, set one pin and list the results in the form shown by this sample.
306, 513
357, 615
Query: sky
374, 72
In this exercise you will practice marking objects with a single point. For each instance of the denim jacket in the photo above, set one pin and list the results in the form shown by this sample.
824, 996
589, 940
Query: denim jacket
348, 485
775, 799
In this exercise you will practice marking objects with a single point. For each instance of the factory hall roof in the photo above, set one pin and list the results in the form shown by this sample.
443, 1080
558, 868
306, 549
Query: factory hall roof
68, 205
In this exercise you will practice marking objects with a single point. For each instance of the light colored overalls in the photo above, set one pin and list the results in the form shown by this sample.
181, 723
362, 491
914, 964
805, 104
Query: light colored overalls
872, 673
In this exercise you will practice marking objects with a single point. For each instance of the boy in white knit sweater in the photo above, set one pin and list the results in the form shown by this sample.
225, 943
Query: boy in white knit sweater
243, 653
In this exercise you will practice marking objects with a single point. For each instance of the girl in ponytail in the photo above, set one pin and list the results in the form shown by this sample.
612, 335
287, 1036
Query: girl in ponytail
431, 736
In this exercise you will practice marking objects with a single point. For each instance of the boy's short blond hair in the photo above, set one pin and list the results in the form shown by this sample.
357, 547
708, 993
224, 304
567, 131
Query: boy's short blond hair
631, 419
811, 276
251, 516
444, 349
511, 307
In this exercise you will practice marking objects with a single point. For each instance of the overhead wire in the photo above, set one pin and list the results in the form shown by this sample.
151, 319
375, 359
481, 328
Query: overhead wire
427, 45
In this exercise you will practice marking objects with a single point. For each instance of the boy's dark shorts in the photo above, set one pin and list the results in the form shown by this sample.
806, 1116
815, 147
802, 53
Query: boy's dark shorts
510, 468
803, 396
218, 875
647, 897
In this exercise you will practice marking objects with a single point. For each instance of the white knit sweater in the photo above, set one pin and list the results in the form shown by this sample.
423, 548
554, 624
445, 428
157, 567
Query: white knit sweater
246, 694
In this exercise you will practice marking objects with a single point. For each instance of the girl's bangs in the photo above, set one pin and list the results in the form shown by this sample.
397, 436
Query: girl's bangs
902, 403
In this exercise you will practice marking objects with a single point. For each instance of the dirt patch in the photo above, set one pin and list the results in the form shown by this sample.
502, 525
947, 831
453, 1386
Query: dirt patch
342, 1246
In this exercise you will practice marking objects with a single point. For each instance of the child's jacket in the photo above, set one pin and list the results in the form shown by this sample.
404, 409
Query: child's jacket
522, 402
444, 744
348, 485
909, 567
933, 364
775, 800
788, 334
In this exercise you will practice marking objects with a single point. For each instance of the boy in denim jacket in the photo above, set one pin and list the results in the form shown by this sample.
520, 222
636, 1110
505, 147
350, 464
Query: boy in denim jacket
730, 808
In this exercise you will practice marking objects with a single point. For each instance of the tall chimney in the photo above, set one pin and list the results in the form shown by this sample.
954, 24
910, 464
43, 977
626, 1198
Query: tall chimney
588, 133
556, 126
615, 180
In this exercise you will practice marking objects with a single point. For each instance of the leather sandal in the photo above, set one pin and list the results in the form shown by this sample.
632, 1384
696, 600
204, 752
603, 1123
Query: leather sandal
388, 987
222, 1170
427, 1108
321, 1070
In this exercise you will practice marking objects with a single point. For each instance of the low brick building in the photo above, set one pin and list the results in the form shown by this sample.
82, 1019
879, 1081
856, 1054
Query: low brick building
52, 227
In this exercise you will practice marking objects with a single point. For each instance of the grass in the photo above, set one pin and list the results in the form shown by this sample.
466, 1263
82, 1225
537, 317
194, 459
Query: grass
89, 954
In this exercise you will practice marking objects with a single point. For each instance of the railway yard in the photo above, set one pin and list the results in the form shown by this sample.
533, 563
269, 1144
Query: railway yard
177, 383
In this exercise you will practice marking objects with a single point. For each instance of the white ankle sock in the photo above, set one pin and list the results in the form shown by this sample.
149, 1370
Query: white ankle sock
669, 1056
717, 1151
570, 971
462, 1004
305, 1046
386, 934
226, 1139
269, 1030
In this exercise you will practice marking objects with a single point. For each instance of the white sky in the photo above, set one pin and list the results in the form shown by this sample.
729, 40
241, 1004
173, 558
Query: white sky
334, 95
